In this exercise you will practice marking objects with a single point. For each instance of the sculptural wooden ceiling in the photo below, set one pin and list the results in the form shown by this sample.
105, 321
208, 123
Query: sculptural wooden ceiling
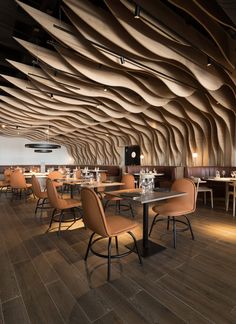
111, 80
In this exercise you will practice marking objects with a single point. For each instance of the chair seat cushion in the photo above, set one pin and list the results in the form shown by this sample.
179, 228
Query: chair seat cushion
4, 183
43, 195
204, 189
119, 225
70, 203
57, 184
171, 209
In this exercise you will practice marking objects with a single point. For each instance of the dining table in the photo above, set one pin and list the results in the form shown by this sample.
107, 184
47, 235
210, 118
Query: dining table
226, 180
146, 246
72, 182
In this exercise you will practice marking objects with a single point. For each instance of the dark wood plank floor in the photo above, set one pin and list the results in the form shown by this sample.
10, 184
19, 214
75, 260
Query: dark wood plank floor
44, 279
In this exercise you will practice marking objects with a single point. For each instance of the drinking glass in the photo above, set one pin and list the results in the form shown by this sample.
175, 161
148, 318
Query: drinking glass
146, 185
223, 173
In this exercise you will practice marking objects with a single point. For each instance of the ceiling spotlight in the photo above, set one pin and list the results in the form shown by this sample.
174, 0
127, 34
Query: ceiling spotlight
137, 12
208, 61
3, 126
105, 89
122, 60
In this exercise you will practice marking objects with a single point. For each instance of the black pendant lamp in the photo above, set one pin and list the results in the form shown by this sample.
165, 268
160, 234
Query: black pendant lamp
43, 147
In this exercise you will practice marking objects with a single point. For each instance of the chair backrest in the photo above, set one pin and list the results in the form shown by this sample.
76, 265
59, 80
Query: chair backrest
128, 180
53, 197
36, 186
17, 180
55, 175
78, 174
93, 212
233, 189
7, 174
187, 202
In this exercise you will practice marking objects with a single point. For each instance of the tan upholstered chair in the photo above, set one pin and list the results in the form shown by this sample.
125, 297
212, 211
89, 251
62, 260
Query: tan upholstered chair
18, 184
78, 174
178, 207
100, 190
129, 183
54, 175
203, 189
42, 196
231, 192
5, 183
60, 205
106, 227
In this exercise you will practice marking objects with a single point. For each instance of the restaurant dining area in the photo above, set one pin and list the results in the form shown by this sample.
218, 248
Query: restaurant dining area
117, 161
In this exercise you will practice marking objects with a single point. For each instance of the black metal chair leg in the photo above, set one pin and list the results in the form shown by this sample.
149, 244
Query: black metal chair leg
106, 204
190, 227
168, 223
37, 206
153, 223
131, 209
60, 219
73, 212
136, 247
89, 245
109, 260
117, 246
52, 217
174, 231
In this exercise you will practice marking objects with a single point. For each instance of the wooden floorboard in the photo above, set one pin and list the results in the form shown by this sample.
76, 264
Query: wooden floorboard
44, 279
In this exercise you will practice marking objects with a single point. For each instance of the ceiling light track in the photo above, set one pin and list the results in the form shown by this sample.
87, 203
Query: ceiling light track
62, 95
115, 54
61, 83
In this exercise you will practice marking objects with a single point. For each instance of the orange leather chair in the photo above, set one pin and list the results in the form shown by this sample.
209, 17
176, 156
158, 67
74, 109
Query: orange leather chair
106, 227
54, 175
178, 207
41, 195
78, 174
5, 183
129, 183
18, 184
60, 205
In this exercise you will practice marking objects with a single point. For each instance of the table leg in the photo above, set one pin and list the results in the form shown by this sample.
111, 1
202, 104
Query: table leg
71, 191
226, 193
146, 246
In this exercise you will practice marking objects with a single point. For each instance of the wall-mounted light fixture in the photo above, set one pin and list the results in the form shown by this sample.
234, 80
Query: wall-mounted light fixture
194, 155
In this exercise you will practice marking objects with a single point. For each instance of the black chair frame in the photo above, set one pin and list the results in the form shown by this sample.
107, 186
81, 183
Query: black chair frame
110, 256
174, 221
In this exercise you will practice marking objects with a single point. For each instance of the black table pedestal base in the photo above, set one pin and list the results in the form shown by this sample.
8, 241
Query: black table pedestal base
151, 249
